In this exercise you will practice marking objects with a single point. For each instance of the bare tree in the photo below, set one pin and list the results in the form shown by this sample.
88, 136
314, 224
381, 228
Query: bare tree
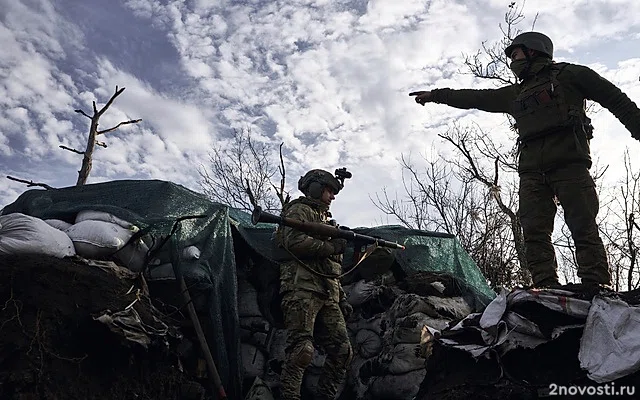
87, 160
620, 228
241, 174
465, 142
438, 198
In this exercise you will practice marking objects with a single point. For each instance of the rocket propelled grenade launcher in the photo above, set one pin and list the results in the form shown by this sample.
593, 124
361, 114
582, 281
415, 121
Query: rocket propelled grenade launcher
315, 228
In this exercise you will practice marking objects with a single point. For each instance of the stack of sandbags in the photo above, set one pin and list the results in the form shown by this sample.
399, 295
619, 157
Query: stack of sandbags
98, 234
254, 330
389, 357
24, 234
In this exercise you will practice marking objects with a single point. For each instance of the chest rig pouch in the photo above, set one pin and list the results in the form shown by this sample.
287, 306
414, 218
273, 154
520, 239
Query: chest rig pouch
542, 107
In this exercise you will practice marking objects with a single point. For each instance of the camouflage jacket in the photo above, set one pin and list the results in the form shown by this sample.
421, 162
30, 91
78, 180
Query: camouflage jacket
313, 251
568, 142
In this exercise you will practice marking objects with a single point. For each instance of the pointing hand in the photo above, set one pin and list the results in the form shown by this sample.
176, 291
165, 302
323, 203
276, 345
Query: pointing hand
422, 97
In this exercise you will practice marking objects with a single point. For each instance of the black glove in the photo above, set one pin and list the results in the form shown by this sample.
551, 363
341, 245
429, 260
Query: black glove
346, 308
339, 245
422, 97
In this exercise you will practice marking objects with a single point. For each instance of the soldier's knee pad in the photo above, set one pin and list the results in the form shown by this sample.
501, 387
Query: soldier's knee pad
303, 354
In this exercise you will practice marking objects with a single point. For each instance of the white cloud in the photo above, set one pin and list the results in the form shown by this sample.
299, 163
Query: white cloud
329, 78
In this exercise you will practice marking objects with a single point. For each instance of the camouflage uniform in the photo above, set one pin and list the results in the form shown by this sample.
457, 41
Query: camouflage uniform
311, 303
554, 132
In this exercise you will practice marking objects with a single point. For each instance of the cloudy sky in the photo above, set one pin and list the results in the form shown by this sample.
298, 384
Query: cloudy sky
330, 79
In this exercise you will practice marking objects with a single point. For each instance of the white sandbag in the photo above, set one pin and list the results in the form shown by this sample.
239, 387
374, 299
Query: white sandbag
247, 300
191, 253
396, 387
253, 360
360, 292
58, 224
91, 215
368, 343
133, 255
24, 234
98, 238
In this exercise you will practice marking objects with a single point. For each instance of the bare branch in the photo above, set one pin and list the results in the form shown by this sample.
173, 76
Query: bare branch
101, 144
31, 183
252, 198
113, 97
238, 166
83, 113
133, 121
71, 150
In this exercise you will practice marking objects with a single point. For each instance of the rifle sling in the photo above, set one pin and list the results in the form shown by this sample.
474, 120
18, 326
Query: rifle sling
366, 254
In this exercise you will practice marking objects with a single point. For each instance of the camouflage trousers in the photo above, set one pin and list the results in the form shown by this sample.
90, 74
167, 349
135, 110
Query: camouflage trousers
310, 319
575, 190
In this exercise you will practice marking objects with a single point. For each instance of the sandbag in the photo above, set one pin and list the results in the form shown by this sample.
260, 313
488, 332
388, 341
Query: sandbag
403, 358
396, 387
247, 300
407, 304
91, 215
360, 292
454, 307
368, 343
162, 272
373, 324
259, 390
253, 360
311, 379
24, 234
98, 238
191, 253
58, 224
409, 329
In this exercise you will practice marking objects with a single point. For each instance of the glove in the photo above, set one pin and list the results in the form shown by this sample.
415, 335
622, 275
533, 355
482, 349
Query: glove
422, 97
346, 308
339, 245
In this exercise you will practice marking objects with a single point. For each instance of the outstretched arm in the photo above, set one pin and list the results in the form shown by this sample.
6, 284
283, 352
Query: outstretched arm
608, 95
491, 100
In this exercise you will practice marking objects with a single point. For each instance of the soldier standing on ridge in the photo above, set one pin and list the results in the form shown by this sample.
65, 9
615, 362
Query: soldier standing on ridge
548, 105
312, 294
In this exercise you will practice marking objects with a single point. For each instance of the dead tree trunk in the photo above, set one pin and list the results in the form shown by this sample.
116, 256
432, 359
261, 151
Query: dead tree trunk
87, 159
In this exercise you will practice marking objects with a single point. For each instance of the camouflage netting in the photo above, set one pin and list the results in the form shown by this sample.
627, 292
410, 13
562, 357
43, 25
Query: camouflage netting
425, 252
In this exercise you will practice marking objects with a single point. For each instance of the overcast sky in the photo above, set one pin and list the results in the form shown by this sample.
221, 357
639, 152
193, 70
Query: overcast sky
330, 79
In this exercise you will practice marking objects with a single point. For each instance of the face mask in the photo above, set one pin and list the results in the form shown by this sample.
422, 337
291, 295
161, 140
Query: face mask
518, 67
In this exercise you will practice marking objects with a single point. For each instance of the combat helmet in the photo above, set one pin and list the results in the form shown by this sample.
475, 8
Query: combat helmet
314, 181
533, 41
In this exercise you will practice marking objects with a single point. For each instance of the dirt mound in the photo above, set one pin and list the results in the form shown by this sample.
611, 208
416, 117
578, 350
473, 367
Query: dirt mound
52, 348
